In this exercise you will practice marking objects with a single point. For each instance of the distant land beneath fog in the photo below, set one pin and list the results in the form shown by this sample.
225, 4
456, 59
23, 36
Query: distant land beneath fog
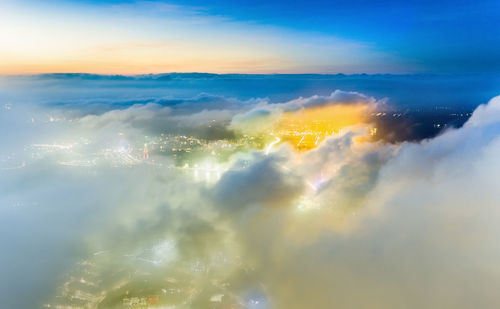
411, 91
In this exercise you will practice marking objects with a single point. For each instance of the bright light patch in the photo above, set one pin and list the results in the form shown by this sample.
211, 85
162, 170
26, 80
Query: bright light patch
306, 128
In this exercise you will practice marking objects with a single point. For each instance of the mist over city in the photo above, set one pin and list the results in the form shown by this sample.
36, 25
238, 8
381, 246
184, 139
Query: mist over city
207, 155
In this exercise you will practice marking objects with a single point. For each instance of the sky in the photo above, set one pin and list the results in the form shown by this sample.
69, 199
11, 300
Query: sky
137, 37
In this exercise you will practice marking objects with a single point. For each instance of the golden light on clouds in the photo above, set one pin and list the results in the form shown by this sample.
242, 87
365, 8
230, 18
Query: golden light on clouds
306, 128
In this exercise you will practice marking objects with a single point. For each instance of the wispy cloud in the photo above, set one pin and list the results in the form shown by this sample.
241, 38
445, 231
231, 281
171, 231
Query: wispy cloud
145, 37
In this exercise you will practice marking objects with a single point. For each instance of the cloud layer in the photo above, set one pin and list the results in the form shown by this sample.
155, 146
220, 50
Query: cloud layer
351, 223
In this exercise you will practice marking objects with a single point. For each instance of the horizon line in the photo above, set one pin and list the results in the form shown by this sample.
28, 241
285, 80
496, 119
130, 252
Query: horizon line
248, 74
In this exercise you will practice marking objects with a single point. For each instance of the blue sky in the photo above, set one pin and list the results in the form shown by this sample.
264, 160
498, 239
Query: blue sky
258, 36
452, 34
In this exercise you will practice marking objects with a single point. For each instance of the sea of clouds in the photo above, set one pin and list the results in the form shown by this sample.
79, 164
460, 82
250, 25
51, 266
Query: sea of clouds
347, 224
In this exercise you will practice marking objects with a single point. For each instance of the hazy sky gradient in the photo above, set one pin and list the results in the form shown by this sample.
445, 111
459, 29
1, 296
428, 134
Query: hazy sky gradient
133, 37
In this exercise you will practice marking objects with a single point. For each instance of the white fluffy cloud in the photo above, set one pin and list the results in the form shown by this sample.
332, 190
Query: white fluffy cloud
425, 223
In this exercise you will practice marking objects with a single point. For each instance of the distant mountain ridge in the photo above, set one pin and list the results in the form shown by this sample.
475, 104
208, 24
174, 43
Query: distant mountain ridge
197, 75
